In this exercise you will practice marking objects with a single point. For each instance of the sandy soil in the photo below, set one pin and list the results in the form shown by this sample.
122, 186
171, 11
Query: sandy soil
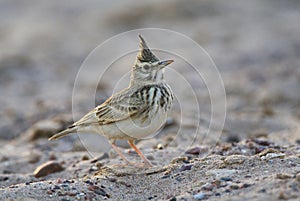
256, 48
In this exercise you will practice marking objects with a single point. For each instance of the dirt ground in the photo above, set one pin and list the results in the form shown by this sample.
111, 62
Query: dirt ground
255, 46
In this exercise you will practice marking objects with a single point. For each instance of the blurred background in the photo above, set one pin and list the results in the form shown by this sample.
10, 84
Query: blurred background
255, 45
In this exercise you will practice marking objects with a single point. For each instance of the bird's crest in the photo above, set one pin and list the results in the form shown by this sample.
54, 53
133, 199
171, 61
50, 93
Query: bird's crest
145, 54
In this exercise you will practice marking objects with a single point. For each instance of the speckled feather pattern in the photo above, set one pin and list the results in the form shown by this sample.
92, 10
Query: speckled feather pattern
135, 112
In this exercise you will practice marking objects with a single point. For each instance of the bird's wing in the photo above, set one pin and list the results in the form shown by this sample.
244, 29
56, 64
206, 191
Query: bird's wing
118, 107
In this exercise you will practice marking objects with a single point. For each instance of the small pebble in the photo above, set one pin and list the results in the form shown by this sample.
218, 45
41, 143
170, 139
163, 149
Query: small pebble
179, 179
152, 197
94, 168
245, 185
72, 193
85, 157
98, 190
159, 146
197, 150
268, 150
168, 171
173, 199
99, 164
64, 185
89, 182
216, 182
207, 187
185, 168
48, 168
233, 138
262, 190
259, 149
125, 183
52, 157
49, 192
235, 159
199, 196
225, 179
272, 156
112, 179
282, 196
179, 160
150, 157
263, 142
4, 178
80, 194
234, 186
283, 176
227, 191
166, 176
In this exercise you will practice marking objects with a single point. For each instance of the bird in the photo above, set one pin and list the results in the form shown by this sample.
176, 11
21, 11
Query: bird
135, 112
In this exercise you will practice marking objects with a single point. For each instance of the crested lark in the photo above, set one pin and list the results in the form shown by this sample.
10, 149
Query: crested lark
135, 112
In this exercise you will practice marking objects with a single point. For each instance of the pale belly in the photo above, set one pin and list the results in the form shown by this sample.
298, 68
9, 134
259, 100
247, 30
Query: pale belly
133, 128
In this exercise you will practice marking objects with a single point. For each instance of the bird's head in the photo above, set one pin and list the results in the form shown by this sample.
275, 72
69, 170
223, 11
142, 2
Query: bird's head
147, 69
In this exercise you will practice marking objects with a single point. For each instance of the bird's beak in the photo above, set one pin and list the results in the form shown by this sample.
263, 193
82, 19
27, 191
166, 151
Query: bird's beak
163, 64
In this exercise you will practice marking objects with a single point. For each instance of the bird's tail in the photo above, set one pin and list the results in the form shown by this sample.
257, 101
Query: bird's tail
64, 133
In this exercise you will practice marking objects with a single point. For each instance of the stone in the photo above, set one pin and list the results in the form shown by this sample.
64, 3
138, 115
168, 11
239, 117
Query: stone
48, 168
85, 157
272, 156
199, 196
197, 150
235, 159
268, 150
160, 147
43, 129
283, 176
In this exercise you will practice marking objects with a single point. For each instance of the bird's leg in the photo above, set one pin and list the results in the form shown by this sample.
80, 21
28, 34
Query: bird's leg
114, 146
147, 162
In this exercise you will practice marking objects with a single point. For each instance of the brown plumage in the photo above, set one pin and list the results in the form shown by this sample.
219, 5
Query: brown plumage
135, 112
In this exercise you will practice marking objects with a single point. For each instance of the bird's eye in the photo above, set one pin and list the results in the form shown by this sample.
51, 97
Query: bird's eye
146, 67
